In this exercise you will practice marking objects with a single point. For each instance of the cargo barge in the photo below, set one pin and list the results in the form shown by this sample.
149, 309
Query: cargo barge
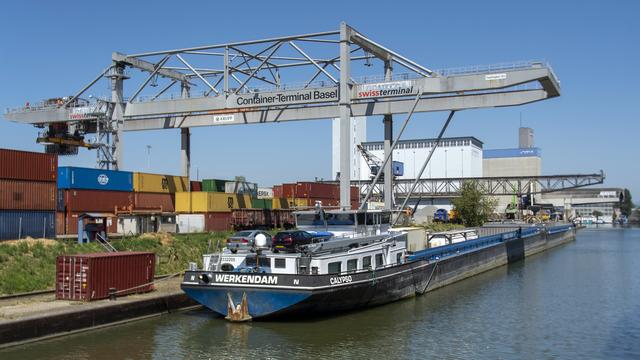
364, 265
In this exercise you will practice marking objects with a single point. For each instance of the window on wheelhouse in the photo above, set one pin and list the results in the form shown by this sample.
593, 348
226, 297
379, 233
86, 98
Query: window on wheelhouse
340, 219
379, 261
262, 261
334, 267
279, 263
352, 265
366, 263
309, 219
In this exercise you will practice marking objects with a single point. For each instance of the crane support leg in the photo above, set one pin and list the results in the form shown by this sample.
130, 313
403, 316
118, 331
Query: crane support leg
388, 168
185, 150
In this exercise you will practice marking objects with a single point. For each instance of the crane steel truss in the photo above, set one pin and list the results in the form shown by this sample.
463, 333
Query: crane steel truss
493, 186
300, 77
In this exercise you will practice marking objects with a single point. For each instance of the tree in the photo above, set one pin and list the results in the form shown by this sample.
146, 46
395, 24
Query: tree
597, 213
626, 207
473, 207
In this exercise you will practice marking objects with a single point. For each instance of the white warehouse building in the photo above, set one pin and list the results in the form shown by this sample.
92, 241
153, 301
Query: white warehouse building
454, 158
357, 135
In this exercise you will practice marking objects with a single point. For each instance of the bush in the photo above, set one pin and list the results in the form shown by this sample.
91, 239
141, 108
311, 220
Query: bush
472, 206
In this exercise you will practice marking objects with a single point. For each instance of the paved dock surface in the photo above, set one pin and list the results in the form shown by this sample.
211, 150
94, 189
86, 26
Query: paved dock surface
31, 317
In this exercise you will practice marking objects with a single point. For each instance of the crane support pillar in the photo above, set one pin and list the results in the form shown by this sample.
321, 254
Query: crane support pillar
345, 118
185, 150
388, 139
117, 118
185, 142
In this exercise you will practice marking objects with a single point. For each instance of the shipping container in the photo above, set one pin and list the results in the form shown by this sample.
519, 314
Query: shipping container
202, 202
265, 193
97, 201
213, 185
94, 179
277, 191
69, 225
244, 201
25, 165
280, 203
27, 195
288, 190
283, 218
18, 224
261, 203
196, 186
217, 221
317, 190
190, 223
87, 277
156, 183
154, 201
60, 223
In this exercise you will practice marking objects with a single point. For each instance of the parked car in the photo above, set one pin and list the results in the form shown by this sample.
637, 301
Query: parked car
245, 240
290, 240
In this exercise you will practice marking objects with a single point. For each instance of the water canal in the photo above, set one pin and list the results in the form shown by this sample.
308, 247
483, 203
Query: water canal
581, 300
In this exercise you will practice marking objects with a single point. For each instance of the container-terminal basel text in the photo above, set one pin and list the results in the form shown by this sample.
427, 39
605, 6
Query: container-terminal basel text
334, 74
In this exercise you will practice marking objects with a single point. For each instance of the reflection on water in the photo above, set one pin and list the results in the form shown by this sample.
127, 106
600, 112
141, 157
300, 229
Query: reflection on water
581, 300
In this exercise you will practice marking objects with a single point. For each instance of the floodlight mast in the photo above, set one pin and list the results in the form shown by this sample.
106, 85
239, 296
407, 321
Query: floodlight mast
243, 84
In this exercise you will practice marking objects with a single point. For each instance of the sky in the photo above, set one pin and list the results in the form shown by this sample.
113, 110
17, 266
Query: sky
51, 49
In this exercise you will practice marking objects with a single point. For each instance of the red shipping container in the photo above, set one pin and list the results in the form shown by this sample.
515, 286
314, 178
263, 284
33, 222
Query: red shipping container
70, 224
27, 195
196, 186
288, 190
25, 165
217, 221
277, 191
89, 277
316, 190
154, 201
60, 223
96, 200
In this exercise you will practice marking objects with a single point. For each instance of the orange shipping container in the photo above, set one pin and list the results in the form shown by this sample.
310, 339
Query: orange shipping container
27, 195
96, 200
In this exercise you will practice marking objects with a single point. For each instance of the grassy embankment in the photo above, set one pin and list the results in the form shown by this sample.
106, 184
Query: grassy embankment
29, 265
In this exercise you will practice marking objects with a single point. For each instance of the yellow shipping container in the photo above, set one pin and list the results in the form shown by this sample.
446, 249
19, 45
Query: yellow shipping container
202, 201
298, 203
280, 203
244, 201
156, 183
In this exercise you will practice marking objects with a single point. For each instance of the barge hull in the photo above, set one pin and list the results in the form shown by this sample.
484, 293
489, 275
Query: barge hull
313, 295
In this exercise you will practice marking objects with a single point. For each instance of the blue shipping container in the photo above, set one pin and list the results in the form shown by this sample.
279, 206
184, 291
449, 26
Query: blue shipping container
94, 179
17, 224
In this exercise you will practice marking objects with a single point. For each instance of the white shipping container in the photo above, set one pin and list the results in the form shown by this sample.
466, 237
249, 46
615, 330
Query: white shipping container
265, 193
190, 223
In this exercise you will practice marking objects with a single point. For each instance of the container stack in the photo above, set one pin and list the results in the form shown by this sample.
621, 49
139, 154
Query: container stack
27, 194
306, 194
83, 190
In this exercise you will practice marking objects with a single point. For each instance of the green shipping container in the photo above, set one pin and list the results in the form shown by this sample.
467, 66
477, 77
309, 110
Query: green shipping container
261, 203
213, 185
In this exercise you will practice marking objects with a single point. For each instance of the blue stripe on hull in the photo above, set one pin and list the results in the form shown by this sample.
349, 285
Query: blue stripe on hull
261, 302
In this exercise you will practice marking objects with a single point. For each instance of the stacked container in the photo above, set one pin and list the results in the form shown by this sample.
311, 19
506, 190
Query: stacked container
27, 194
306, 194
83, 190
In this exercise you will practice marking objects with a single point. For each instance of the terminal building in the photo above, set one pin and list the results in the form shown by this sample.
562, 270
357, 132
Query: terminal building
455, 157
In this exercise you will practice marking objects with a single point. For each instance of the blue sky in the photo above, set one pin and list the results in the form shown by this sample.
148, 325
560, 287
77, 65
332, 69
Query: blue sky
53, 48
